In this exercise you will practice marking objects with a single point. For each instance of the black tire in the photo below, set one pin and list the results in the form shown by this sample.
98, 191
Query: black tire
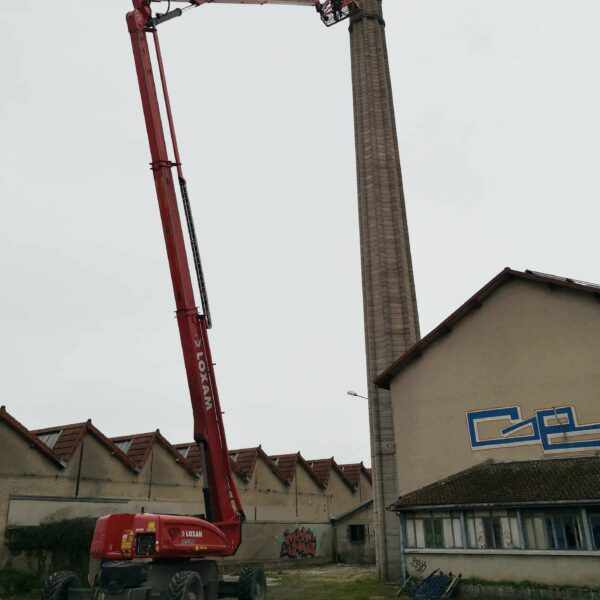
57, 586
253, 584
186, 585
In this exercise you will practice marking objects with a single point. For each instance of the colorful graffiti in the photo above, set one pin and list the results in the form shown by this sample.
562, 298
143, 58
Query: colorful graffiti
299, 543
554, 429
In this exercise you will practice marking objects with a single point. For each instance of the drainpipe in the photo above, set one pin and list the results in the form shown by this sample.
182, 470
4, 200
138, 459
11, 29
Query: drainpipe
151, 472
79, 467
402, 523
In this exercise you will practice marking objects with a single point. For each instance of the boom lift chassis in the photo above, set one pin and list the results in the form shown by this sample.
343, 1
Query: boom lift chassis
166, 557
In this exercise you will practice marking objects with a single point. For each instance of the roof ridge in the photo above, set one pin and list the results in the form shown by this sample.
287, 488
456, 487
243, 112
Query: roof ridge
18, 427
384, 378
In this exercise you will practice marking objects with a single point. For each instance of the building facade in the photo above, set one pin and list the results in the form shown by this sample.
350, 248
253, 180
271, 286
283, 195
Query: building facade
512, 377
73, 471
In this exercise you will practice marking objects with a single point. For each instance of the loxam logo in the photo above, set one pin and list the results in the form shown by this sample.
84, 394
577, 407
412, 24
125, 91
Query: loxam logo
191, 534
202, 367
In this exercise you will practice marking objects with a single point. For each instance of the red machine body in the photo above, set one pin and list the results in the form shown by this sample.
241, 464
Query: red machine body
122, 537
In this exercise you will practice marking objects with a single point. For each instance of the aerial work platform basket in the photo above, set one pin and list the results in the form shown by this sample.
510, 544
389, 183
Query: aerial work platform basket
334, 11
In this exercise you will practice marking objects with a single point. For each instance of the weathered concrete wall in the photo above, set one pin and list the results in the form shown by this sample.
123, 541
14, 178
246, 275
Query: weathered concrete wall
340, 497
268, 541
23, 469
355, 552
309, 499
365, 489
35, 490
578, 569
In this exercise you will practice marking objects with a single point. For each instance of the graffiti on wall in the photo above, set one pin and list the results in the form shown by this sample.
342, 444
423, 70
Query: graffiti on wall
554, 429
418, 565
299, 543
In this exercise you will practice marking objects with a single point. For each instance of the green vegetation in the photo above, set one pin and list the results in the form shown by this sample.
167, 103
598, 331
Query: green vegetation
58, 545
349, 583
17, 583
520, 584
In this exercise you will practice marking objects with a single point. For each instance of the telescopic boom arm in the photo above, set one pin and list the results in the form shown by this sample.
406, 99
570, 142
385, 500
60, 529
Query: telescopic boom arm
222, 503
331, 11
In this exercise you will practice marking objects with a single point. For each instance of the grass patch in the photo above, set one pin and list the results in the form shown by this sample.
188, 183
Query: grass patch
521, 584
16, 583
328, 584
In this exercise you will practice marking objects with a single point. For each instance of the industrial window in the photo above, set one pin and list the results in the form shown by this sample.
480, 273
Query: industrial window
563, 532
492, 529
50, 438
356, 534
433, 530
124, 445
595, 527
184, 451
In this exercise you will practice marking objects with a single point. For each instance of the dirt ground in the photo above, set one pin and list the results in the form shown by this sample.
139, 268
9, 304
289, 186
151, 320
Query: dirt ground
328, 583
334, 582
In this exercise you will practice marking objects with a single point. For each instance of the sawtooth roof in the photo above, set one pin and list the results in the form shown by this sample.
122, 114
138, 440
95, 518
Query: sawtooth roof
354, 471
384, 379
323, 467
246, 459
34, 442
288, 463
191, 452
547, 481
142, 444
69, 438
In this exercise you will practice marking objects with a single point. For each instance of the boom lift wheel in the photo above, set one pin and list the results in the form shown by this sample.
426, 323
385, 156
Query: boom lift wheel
253, 584
186, 585
57, 586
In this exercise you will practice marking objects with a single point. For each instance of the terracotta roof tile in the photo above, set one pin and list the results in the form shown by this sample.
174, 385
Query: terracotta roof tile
549, 481
191, 452
323, 468
29, 437
288, 463
384, 379
69, 437
246, 459
354, 471
138, 447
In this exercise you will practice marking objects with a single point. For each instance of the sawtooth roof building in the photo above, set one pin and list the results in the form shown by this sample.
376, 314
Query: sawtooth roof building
497, 424
71, 471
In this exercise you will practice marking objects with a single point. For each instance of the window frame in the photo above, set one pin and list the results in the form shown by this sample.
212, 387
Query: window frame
431, 537
357, 527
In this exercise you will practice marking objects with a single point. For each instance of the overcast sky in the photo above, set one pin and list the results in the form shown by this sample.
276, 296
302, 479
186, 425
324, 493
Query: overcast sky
498, 110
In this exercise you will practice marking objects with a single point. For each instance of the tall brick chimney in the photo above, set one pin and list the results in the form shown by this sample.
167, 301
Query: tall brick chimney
390, 306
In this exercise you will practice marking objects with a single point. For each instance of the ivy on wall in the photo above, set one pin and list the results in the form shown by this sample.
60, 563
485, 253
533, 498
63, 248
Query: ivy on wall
56, 545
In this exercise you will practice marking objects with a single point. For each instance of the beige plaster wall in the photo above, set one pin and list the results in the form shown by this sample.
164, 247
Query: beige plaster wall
528, 345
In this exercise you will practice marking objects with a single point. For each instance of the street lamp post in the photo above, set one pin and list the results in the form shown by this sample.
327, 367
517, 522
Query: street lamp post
351, 393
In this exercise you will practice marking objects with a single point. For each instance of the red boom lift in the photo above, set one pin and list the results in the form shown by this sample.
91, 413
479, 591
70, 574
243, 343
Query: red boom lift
144, 556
